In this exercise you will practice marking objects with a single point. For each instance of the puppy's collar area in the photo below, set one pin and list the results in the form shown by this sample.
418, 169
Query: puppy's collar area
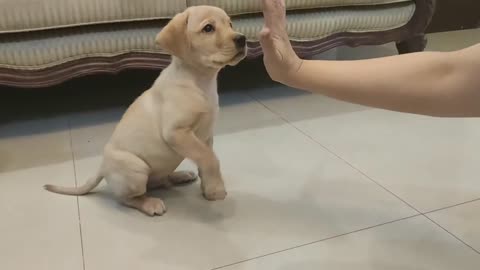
200, 73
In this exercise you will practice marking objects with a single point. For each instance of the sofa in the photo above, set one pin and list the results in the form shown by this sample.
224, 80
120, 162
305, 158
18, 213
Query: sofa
46, 42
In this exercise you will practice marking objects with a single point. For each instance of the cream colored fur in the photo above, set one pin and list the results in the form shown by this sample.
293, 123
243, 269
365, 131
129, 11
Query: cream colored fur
174, 119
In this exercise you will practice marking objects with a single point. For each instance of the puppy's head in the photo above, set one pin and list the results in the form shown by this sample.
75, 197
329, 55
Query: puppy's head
203, 35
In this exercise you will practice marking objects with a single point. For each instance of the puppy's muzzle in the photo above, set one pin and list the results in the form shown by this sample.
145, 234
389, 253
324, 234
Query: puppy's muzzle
240, 41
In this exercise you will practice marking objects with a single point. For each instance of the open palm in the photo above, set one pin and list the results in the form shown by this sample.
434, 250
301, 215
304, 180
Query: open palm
279, 57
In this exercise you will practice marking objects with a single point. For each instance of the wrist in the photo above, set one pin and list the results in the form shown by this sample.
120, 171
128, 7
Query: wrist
292, 71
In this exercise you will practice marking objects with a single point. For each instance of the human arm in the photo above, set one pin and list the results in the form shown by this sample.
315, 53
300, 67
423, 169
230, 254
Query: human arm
431, 83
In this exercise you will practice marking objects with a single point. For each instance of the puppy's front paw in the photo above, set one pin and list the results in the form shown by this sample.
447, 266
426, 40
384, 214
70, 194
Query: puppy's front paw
215, 193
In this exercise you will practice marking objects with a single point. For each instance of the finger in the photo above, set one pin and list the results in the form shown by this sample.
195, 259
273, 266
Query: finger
267, 12
273, 12
273, 5
264, 34
266, 40
266, 5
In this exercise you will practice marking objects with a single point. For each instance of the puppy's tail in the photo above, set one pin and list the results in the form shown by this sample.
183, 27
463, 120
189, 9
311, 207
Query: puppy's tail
82, 190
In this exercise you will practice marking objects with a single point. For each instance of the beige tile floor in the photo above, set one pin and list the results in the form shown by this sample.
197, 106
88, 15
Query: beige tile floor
330, 185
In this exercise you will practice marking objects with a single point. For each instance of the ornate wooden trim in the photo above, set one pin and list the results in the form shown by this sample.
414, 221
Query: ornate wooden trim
60, 73
81, 67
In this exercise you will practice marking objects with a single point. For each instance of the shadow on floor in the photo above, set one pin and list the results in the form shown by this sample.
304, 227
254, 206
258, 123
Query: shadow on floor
105, 92
98, 92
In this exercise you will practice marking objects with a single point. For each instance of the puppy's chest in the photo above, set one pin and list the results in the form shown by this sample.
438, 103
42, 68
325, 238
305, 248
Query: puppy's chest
206, 123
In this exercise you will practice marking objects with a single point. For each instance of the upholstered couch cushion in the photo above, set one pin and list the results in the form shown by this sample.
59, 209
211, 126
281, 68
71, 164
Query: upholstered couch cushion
43, 49
28, 15
236, 7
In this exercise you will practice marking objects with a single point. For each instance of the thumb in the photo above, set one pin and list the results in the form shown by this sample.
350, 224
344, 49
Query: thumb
266, 40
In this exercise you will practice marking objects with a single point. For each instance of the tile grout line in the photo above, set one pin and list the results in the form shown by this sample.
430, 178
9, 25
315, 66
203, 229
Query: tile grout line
318, 241
337, 156
354, 167
371, 179
357, 169
392, 193
451, 206
78, 201
451, 234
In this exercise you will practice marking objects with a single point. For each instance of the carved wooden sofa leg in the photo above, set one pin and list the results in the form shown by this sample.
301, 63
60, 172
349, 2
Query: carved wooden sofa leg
414, 44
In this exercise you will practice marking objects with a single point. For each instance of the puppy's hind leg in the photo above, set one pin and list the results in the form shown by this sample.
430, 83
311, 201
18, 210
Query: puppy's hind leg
134, 196
128, 181
182, 177
148, 205
174, 179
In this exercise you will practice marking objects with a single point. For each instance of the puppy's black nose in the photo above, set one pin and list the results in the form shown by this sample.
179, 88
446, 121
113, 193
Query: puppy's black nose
240, 41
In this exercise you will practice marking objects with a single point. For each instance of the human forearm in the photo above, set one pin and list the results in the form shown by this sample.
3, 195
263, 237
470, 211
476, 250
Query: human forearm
437, 84
430, 83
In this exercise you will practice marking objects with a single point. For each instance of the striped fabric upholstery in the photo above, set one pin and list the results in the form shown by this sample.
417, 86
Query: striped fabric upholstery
28, 15
43, 49
317, 24
236, 7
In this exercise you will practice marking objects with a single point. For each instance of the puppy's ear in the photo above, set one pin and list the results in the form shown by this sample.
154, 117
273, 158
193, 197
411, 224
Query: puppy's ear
172, 38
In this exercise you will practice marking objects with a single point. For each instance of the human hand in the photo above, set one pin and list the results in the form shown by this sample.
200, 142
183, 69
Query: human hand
279, 58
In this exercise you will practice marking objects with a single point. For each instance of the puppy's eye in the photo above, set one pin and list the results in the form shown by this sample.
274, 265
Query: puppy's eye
208, 28
231, 26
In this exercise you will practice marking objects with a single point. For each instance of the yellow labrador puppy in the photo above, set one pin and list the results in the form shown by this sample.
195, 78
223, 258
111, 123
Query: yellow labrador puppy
174, 119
